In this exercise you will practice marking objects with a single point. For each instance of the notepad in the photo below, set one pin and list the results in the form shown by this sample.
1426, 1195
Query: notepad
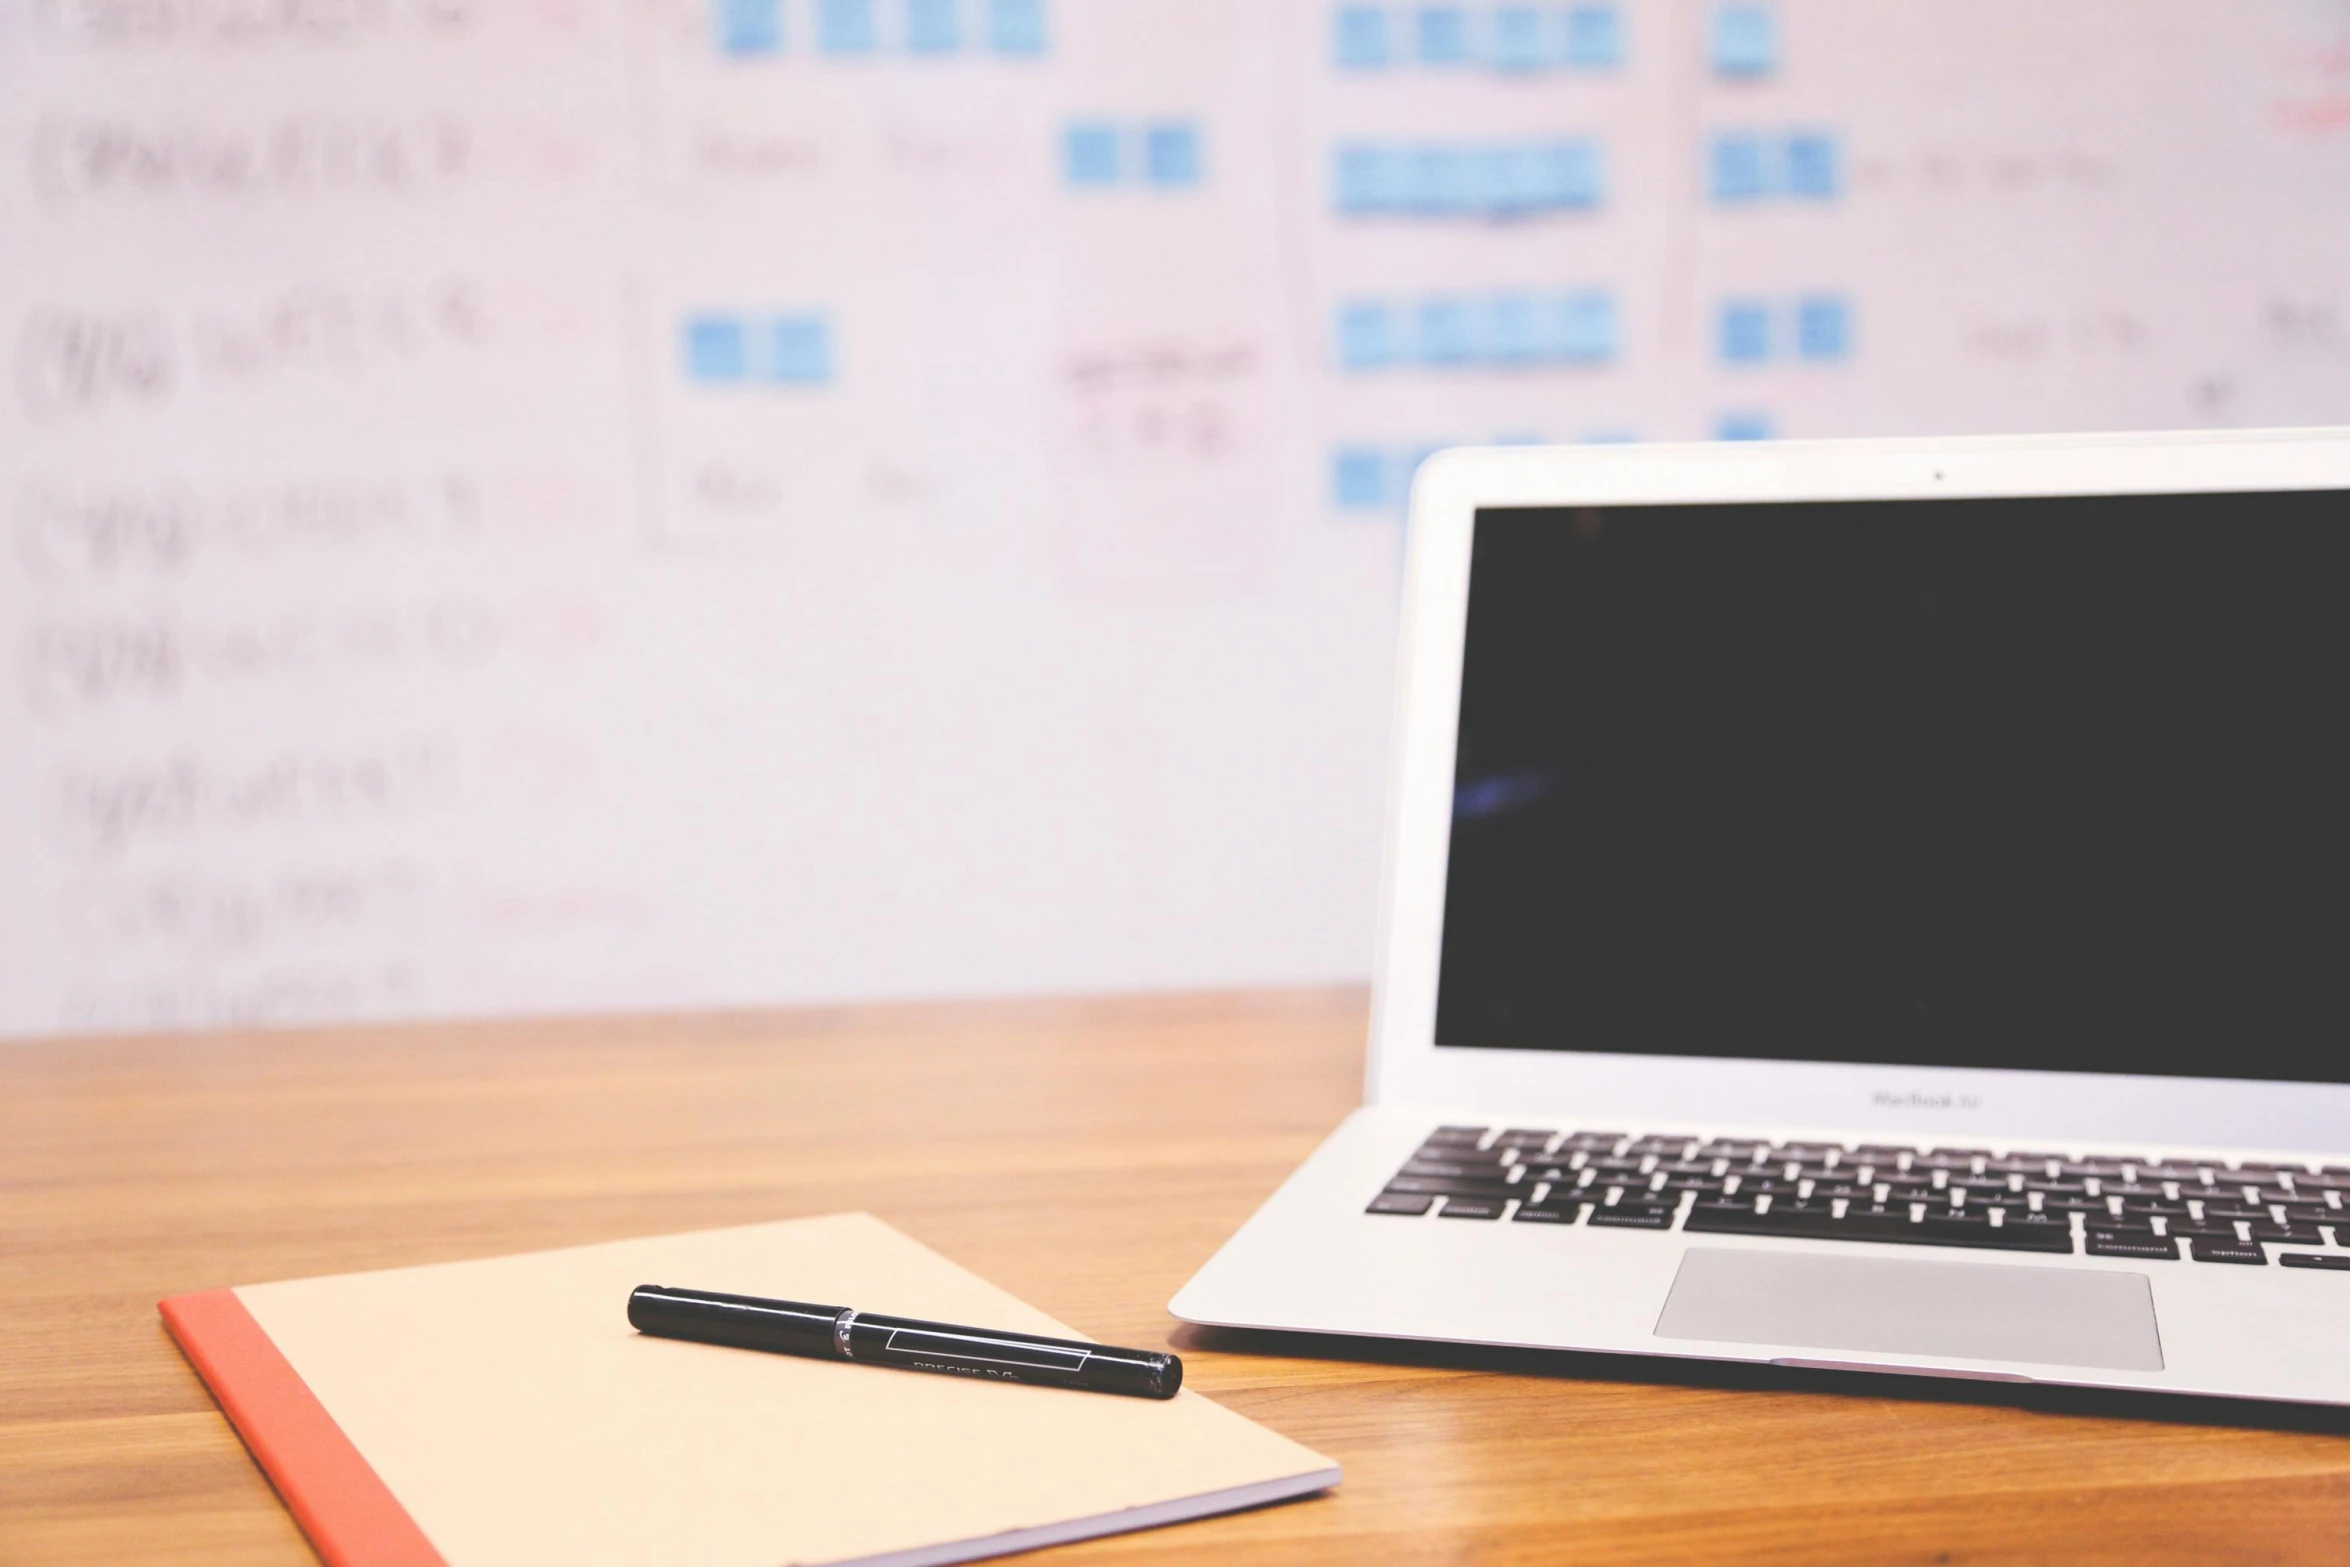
503, 1411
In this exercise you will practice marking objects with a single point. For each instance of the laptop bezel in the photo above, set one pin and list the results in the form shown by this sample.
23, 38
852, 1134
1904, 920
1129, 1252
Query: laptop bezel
1407, 1066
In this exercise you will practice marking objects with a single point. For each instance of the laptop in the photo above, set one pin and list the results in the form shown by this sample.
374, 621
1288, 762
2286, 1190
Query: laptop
1877, 905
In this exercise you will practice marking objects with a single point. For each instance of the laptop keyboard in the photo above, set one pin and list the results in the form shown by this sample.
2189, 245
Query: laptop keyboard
2152, 1209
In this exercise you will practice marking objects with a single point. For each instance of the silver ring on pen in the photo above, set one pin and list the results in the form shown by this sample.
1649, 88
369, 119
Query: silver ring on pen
840, 1333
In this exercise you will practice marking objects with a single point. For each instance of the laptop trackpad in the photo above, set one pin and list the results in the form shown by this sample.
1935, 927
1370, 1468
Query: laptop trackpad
1962, 1310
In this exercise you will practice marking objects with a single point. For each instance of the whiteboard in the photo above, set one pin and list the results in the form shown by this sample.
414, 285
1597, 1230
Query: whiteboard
548, 505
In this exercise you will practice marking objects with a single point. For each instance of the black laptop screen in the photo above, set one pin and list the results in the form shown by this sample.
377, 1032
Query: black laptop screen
2058, 784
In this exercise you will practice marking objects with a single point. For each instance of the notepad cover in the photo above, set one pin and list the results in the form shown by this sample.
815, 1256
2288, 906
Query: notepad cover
503, 1411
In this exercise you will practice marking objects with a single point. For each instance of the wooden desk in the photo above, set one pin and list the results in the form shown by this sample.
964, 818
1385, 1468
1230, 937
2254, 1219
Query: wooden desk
1086, 1155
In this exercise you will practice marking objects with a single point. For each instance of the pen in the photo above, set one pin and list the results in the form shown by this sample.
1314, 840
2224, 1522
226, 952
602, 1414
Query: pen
794, 1327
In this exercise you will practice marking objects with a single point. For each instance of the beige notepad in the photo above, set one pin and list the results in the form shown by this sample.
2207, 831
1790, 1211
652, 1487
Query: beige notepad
514, 1416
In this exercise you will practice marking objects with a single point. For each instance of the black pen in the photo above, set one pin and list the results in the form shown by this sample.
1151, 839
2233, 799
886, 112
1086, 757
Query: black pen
794, 1327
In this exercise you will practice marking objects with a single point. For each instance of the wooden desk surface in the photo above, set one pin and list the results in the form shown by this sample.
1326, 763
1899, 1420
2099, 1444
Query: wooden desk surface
1087, 1156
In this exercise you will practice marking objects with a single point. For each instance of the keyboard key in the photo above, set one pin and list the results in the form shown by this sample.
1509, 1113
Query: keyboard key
1825, 1190
1667, 1147
1466, 1158
1444, 1167
1704, 1185
1471, 1208
1472, 1135
1448, 1186
1799, 1223
2227, 1251
1752, 1186
2339, 1263
1433, 1149
2121, 1224
2288, 1234
2132, 1243
1520, 1138
1546, 1213
1400, 1202
1591, 1141
1633, 1216
2040, 1224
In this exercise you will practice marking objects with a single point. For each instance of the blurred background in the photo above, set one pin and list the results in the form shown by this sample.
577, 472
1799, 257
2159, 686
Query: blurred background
544, 505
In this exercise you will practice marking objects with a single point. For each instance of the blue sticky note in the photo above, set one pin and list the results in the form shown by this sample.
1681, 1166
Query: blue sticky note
1365, 178
717, 348
1448, 331
1743, 424
1583, 327
1743, 332
1739, 167
1367, 338
1439, 180
1171, 153
1089, 153
1595, 37
934, 26
1513, 329
1744, 40
1015, 27
1512, 180
1815, 166
1823, 327
1443, 35
1574, 177
1358, 478
846, 27
799, 350
1521, 38
1358, 38
748, 27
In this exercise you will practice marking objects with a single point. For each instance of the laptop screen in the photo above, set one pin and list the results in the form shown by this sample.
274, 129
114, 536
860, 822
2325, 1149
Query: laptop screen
2047, 783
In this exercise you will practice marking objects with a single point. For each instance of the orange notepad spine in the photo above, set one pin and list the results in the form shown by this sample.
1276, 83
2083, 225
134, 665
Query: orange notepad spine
349, 1514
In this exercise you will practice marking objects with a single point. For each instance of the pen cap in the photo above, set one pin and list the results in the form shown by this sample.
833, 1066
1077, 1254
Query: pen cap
744, 1321
1144, 1372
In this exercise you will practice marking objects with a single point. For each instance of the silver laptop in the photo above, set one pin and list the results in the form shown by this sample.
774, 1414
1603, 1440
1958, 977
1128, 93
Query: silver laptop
1875, 905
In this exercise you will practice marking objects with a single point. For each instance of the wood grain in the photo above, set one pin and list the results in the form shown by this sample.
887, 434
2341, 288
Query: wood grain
1084, 1154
